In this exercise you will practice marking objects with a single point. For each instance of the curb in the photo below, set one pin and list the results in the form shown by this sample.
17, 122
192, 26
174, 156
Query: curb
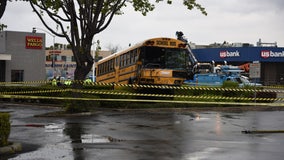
13, 148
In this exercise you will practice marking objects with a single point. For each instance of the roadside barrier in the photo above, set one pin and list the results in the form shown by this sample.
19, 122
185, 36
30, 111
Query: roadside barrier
94, 91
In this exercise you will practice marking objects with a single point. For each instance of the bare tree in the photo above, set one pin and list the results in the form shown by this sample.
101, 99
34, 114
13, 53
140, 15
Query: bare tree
113, 48
3, 4
80, 20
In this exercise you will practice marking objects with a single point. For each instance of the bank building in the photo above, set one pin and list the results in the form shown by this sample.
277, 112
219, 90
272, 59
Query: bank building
22, 56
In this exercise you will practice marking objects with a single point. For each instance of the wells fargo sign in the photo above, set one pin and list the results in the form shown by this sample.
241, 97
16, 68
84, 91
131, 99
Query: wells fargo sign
33, 42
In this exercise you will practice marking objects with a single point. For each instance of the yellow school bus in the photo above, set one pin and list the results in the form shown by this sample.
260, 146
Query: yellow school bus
157, 61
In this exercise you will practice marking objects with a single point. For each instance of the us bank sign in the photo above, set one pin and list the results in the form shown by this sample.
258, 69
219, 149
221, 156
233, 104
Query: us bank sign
269, 53
225, 54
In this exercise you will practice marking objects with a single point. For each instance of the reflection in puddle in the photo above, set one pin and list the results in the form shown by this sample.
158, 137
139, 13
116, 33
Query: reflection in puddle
54, 128
93, 138
204, 154
198, 117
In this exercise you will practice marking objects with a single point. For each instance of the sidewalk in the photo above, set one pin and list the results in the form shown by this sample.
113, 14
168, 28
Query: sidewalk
13, 148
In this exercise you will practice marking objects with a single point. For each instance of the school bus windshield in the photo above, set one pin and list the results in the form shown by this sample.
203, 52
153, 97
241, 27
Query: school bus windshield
165, 58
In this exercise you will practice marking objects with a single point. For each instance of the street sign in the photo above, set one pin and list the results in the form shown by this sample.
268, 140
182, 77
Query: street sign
254, 70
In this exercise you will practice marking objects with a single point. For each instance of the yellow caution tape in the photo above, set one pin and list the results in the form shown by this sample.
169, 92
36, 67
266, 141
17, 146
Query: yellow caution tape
183, 98
144, 100
98, 92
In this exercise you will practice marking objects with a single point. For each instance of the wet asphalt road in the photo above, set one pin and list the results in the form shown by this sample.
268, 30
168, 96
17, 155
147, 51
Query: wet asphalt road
146, 135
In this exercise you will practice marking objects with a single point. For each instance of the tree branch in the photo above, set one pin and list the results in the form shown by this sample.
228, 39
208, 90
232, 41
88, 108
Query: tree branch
3, 4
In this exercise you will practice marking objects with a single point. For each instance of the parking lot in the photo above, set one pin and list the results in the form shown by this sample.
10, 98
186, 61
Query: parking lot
145, 134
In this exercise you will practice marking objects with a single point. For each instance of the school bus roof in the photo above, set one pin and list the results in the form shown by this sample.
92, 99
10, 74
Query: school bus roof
136, 46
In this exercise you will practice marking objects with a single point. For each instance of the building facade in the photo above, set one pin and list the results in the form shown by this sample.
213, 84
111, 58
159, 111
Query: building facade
22, 56
61, 63
271, 60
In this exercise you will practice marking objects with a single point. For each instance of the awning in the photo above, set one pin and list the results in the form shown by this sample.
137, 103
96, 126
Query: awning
6, 57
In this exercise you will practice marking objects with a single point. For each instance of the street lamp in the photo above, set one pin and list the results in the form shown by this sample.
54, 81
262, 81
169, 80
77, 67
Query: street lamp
53, 48
94, 59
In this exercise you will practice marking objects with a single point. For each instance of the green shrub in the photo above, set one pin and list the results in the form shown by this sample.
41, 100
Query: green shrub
269, 95
230, 84
5, 128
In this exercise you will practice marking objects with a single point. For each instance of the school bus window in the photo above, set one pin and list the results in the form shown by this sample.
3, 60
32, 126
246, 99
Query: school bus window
135, 56
102, 68
111, 65
124, 60
104, 71
120, 61
107, 66
117, 61
173, 44
131, 57
99, 69
127, 55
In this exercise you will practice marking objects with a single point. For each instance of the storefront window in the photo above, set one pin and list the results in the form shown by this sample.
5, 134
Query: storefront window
17, 75
69, 59
2, 71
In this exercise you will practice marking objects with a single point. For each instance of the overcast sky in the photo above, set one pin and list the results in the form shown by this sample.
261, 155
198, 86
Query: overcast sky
228, 20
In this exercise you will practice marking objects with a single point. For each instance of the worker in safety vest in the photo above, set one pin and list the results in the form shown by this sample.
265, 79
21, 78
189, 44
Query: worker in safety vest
88, 81
54, 81
68, 82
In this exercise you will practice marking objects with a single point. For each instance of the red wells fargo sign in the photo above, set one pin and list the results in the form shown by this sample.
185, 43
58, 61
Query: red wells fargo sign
33, 42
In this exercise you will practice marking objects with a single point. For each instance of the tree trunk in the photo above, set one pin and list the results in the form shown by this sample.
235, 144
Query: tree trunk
83, 67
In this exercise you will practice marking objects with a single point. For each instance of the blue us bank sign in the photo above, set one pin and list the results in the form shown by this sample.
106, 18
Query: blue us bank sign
240, 54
